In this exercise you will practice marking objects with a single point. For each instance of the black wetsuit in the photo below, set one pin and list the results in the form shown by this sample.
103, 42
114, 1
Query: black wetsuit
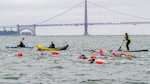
21, 44
52, 45
127, 45
128, 42
92, 60
83, 57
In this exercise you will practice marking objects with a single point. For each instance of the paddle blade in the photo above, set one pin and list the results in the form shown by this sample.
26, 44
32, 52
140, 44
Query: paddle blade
22, 38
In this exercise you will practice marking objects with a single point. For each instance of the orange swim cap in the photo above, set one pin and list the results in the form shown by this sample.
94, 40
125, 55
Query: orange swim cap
128, 55
100, 50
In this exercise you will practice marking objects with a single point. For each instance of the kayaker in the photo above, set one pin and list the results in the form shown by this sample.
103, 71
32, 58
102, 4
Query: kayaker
52, 45
128, 39
21, 44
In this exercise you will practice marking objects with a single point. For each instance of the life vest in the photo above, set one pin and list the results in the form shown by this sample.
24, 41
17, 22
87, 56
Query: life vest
129, 38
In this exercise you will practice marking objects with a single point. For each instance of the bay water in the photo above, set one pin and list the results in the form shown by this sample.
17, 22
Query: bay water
66, 68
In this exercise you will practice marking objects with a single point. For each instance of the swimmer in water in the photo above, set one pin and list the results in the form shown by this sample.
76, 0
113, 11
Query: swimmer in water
113, 53
121, 54
91, 61
117, 54
82, 57
102, 53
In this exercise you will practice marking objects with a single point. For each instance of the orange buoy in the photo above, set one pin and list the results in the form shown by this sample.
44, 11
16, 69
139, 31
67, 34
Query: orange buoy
93, 57
20, 54
54, 53
99, 62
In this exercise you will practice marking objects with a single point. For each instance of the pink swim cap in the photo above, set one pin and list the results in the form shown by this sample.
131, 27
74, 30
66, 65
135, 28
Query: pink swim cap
114, 53
80, 57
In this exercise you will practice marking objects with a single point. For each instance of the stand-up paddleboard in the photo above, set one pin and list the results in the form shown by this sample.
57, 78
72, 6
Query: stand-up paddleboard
19, 47
137, 50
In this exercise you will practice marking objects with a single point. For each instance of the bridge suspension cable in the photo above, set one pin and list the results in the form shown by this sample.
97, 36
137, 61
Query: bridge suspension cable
118, 11
60, 13
96, 14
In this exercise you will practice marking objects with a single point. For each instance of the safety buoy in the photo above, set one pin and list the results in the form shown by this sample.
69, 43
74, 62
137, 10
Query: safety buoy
20, 54
54, 53
99, 62
93, 57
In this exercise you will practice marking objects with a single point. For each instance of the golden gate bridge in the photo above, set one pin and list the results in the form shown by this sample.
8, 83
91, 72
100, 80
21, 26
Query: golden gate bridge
85, 14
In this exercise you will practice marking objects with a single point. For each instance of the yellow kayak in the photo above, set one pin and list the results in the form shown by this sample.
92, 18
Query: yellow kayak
40, 47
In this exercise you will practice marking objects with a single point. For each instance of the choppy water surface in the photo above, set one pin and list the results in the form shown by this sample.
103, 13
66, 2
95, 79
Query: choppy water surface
65, 68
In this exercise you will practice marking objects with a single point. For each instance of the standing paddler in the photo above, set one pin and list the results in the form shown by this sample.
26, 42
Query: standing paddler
128, 39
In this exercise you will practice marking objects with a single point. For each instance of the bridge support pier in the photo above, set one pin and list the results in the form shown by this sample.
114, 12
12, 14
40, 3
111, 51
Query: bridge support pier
34, 29
18, 27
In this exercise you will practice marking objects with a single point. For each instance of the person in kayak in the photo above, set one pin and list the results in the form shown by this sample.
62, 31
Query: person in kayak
128, 39
21, 44
52, 45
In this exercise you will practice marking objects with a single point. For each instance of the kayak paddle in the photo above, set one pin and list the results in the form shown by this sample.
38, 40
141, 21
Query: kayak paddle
22, 38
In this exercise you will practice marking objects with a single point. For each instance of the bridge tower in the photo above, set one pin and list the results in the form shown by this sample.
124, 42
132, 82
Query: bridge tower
85, 20
32, 28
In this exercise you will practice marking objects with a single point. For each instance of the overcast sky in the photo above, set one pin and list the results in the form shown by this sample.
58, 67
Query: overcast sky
13, 12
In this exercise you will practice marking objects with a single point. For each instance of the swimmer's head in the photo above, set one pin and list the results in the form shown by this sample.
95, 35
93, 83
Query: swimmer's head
114, 53
83, 55
100, 50
91, 61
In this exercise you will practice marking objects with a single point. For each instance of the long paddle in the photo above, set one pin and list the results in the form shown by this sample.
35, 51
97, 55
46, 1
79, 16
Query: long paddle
23, 38
120, 46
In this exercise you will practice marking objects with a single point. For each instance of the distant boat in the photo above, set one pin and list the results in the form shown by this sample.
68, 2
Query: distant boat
9, 33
